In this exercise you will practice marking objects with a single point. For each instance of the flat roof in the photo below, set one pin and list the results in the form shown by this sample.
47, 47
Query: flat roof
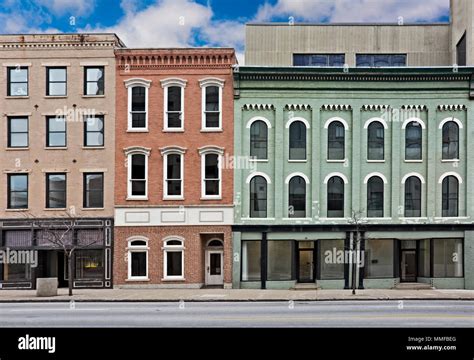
344, 24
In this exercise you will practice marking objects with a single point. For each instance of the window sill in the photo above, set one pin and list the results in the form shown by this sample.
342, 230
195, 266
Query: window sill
137, 279
137, 130
450, 160
143, 198
180, 198
92, 209
297, 161
55, 209
55, 148
217, 130
413, 161
173, 279
376, 161
211, 198
55, 96
93, 147
336, 161
17, 97
93, 96
17, 210
258, 160
173, 130
17, 149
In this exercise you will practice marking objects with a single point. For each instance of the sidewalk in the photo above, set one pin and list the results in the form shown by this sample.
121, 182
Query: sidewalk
201, 295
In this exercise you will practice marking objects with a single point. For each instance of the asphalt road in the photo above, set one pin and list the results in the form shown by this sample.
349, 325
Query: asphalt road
241, 314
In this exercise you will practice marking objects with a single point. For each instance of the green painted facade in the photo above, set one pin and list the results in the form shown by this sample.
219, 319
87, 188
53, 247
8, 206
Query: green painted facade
355, 97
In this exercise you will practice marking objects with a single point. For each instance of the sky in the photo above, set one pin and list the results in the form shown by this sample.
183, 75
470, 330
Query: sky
181, 23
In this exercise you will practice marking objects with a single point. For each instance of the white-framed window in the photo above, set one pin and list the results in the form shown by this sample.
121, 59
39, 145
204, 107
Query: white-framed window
173, 258
137, 104
137, 258
211, 104
173, 89
211, 172
173, 172
137, 173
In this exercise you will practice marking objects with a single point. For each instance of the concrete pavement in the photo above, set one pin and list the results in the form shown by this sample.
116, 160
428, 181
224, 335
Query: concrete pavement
205, 295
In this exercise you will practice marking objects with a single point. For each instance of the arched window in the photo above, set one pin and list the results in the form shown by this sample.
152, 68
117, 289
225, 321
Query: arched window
258, 140
376, 141
173, 255
375, 187
297, 197
258, 197
413, 141
138, 259
137, 89
335, 197
413, 197
450, 196
137, 175
297, 141
450, 141
336, 141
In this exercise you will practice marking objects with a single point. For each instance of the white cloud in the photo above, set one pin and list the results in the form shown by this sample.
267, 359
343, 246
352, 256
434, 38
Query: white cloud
73, 7
355, 10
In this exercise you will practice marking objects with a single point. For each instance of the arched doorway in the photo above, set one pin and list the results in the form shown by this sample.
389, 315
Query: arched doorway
214, 262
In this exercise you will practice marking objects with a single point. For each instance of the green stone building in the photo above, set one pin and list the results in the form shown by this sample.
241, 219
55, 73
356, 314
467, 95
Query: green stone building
356, 176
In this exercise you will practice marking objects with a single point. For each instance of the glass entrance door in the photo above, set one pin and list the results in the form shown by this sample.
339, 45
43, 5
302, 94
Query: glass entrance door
408, 266
305, 262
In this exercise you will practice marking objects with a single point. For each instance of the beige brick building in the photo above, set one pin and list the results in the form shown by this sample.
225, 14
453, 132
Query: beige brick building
57, 143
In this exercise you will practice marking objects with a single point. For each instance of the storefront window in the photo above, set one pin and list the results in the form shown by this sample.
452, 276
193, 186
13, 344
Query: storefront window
250, 260
332, 259
447, 258
379, 259
15, 272
424, 258
89, 264
280, 255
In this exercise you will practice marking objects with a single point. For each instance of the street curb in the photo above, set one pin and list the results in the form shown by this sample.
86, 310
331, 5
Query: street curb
222, 300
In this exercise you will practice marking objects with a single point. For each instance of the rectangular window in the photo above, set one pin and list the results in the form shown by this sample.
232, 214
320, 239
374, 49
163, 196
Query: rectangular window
94, 131
381, 60
17, 79
447, 258
174, 263
212, 111
55, 131
17, 132
280, 255
56, 81
56, 191
15, 272
17, 191
174, 108
461, 57
93, 190
137, 164
138, 266
173, 178
251, 260
89, 264
424, 258
94, 80
138, 107
211, 176
330, 259
321, 60
379, 259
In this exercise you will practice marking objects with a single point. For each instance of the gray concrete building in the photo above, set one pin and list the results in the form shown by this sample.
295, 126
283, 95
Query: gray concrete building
364, 45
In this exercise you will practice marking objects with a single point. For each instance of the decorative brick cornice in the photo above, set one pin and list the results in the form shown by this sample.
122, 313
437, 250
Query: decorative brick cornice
298, 107
375, 107
136, 59
336, 107
454, 107
258, 107
414, 107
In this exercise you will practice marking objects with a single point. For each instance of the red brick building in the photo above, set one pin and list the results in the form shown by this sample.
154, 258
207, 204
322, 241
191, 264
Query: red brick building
173, 185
